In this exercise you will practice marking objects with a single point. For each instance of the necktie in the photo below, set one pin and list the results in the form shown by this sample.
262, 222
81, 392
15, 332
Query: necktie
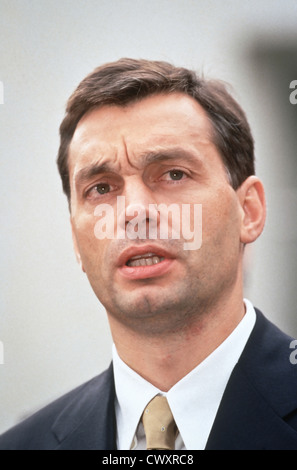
159, 425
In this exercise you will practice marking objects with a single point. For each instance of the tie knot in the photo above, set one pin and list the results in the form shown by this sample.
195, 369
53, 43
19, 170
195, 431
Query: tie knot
159, 425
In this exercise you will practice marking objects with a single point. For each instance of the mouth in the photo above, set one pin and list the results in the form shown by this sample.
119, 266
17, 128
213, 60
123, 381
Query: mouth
144, 262
147, 259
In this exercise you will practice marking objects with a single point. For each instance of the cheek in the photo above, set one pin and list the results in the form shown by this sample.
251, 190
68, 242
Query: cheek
90, 248
221, 221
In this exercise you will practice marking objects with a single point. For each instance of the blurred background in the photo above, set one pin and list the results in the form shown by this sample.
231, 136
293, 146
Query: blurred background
54, 332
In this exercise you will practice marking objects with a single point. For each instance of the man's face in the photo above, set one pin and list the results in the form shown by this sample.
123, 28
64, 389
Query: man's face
158, 150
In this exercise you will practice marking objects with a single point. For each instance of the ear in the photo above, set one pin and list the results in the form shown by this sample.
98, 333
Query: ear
252, 200
75, 245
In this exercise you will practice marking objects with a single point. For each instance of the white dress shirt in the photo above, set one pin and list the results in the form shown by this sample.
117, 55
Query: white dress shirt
194, 400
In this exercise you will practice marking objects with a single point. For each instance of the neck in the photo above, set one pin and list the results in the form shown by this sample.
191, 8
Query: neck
163, 361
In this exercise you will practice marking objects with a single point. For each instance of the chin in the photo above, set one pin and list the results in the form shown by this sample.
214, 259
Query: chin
145, 307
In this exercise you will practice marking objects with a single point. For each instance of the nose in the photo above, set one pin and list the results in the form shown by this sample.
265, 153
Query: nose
138, 196
138, 211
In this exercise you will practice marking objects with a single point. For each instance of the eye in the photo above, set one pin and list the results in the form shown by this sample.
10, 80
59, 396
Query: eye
98, 190
176, 175
102, 188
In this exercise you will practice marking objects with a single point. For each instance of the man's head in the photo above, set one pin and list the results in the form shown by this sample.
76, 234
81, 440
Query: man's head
155, 134
126, 81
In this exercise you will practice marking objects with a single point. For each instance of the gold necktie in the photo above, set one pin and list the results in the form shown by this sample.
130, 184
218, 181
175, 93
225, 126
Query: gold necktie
159, 425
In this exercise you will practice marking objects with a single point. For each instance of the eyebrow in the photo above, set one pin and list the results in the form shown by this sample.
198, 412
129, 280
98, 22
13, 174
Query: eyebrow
176, 153
87, 173
147, 158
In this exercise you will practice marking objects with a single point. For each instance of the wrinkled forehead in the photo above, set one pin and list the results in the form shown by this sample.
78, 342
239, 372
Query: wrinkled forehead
157, 122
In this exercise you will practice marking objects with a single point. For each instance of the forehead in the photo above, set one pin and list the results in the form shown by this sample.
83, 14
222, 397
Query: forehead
157, 121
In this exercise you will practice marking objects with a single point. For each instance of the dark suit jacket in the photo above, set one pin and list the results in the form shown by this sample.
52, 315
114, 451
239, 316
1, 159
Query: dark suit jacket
258, 409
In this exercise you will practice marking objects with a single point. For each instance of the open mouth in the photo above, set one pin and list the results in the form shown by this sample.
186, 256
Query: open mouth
145, 262
147, 259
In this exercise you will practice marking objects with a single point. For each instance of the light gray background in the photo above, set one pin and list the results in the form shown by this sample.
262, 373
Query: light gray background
53, 329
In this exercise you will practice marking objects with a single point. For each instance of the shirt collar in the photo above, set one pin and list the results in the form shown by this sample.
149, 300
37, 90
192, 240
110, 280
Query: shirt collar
194, 400
132, 395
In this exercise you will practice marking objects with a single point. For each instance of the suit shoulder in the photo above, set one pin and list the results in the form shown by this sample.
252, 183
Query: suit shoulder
266, 362
35, 432
268, 343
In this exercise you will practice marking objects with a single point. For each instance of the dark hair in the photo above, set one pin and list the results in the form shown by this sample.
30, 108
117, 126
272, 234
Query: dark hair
128, 80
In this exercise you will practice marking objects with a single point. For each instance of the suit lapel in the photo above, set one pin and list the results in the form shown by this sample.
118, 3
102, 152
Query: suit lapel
88, 422
260, 394
246, 421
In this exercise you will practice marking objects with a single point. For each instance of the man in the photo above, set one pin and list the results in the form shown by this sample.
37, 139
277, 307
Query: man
139, 137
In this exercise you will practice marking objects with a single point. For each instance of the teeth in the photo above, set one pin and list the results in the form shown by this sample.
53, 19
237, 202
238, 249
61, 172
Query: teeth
145, 260
147, 255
